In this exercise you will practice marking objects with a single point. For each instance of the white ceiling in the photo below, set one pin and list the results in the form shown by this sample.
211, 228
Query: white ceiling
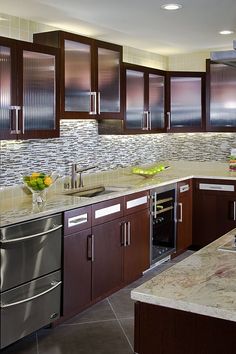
137, 23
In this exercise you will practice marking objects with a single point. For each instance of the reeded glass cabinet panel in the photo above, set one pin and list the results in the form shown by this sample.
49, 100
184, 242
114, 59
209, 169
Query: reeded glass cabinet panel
156, 101
134, 99
78, 82
38, 91
186, 101
5, 88
109, 80
222, 95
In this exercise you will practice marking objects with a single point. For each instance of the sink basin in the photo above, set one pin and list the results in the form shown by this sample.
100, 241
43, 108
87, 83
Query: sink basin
93, 191
228, 247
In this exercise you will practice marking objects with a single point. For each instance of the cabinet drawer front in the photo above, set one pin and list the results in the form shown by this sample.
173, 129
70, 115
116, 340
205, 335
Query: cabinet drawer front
77, 220
136, 202
106, 211
217, 187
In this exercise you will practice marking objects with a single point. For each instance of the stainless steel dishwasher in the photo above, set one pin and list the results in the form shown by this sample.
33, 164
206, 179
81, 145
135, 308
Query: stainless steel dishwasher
30, 276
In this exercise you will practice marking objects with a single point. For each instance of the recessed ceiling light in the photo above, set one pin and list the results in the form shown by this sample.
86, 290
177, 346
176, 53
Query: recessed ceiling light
171, 6
226, 32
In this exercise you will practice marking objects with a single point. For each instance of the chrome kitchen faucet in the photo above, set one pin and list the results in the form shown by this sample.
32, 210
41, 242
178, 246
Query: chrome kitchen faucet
76, 170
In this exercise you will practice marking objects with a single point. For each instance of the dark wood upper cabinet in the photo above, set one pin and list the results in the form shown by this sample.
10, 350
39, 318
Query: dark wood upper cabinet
145, 99
185, 101
221, 97
28, 88
90, 75
144, 102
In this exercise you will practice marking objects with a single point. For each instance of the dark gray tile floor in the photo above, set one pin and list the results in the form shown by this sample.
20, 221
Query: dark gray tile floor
105, 328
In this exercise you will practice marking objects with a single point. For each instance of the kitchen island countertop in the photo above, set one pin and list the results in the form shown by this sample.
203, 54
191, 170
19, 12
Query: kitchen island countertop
204, 283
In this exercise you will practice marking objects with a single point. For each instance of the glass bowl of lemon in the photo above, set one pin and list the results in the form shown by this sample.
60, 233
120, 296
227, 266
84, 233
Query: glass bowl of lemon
38, 183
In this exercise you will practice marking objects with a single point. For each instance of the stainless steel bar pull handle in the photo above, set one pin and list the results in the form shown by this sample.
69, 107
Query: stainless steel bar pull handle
93, 249
155, 205
16, 109
99, 102
54, 284
168, 120
25, 238
93, 103
125, 233
234, 212
180, 212
150, 120
145, 119
128, 233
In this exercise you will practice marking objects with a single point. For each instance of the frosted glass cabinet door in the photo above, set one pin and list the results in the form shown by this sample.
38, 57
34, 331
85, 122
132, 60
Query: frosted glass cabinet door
156, 101
222, 96
78, 81
185, 102
5, 92
39, 110
134, 99
108, 81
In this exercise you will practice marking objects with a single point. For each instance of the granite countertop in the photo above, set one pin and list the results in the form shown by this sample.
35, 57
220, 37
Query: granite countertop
15, 209
204, 283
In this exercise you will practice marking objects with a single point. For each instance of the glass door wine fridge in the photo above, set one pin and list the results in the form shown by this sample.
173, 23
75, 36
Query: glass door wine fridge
163, 222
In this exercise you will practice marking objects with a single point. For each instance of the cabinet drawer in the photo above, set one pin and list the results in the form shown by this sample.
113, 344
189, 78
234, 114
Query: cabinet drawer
77, 220
215, 186
108, 210
136, 202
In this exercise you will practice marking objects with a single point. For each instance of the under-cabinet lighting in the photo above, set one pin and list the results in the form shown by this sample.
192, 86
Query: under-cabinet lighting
2, 18
226, 32
171, 7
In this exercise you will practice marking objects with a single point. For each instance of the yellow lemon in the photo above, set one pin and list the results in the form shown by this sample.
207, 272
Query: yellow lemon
35, 175
47, 181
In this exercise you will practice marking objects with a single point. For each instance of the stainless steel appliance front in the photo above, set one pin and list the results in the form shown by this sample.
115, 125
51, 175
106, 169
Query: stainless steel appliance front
30, 296
29, 307
29, 250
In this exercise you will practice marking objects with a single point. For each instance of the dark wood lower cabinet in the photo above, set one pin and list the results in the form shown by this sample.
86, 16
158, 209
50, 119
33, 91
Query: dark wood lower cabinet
137, 250
161, 330
77, 272
108, 261
184, 215
214, 210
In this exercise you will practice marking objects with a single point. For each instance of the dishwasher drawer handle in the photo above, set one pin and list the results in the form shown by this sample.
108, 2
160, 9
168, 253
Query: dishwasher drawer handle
56, 227
54, 284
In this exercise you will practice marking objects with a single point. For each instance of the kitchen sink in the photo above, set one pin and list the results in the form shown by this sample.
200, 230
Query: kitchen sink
93, 191
228, 247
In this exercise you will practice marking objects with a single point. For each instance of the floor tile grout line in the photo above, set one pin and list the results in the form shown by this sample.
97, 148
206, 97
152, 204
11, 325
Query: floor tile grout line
86, 322
37, 343
120, 325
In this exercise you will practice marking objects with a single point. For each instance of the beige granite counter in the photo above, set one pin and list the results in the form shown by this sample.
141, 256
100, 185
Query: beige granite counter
204, 283
16, 206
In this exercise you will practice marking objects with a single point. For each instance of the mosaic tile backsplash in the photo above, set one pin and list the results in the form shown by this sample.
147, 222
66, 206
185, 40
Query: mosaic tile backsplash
80, 143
